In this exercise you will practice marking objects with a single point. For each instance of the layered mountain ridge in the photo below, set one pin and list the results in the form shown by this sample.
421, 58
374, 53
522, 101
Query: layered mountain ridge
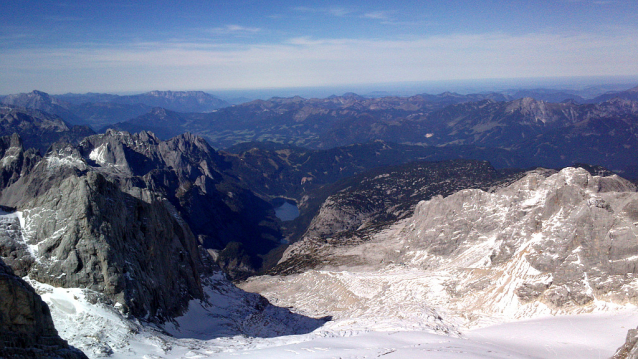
98, 110
39, 129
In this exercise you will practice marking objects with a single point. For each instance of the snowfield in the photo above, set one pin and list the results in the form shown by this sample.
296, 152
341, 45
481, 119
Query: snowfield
101, 331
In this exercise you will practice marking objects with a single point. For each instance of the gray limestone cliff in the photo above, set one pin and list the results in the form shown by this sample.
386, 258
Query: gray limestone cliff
224, 215
39, 129
81, 230
111, 218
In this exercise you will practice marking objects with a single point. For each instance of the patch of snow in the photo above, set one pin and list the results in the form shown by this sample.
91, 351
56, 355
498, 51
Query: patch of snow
24, 230
98, 154
100, 330
7, 159
55, 162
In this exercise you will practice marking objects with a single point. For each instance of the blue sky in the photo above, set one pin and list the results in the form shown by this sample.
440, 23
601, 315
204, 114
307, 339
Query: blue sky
120, 46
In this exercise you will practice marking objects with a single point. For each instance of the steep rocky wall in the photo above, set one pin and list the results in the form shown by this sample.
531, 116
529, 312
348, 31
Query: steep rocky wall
26, 327
565, 240
87, 233
186, 171
81, 229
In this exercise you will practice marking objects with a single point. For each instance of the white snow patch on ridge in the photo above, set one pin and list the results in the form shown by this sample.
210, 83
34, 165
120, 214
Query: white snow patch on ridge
97, 154
54, 162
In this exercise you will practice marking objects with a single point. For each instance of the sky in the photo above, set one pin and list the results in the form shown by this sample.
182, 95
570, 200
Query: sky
135, 46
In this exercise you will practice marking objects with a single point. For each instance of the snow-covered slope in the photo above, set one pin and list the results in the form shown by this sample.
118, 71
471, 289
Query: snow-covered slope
207, 332
211, 326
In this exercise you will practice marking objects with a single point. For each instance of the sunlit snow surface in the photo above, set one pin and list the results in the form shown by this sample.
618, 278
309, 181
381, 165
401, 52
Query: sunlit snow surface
101, 331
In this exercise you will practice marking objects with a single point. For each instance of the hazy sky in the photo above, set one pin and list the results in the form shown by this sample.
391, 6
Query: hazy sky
115, 46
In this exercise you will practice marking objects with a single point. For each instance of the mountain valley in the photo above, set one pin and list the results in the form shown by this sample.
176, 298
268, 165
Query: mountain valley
431, 216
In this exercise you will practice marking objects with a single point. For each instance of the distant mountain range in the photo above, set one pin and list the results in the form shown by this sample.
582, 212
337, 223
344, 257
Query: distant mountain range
98, 110
522, 133
39, 129
538, 133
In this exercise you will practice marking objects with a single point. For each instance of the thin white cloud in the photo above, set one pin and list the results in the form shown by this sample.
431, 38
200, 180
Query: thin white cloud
234, 29
305, 61
334, 11
339, 11
377, 15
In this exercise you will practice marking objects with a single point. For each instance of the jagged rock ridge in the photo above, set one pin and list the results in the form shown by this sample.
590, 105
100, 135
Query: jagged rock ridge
97, 219
365, 204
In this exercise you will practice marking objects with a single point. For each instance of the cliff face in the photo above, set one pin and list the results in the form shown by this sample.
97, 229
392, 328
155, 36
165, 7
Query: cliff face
187, 172
113, 216
26, 327
629, 350
562, 242
375, 200
81, 230
106, 230
39, 129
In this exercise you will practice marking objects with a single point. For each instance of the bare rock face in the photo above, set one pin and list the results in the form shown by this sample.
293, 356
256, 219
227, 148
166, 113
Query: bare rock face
187, 172
629, 350
26, 327
548, 243
377, 199
16, 162
117, 214
39, 129
103, 223
81, 230
86, 232
565, 240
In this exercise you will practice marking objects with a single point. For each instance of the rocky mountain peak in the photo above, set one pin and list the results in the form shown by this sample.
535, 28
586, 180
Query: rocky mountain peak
36, 100
525, 105
176, 94
15, 142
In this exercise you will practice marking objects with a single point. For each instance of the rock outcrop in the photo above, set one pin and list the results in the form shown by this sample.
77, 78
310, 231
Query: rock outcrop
629, 350
376, 199
188, 173
102, 231
116, 215
549, 243
83, 231
26, 327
